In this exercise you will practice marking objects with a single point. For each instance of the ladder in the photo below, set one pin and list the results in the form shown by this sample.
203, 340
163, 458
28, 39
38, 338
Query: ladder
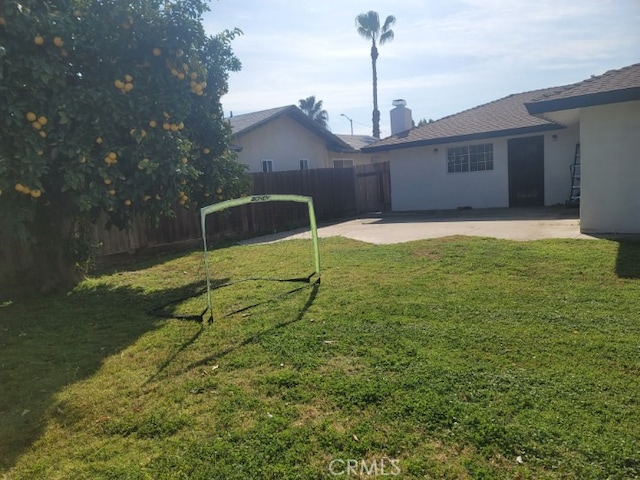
574, 196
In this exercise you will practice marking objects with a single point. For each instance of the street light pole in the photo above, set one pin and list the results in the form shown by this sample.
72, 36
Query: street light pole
350, 121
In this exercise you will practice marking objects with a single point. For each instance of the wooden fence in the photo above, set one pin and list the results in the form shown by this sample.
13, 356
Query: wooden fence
333, 192
336, 192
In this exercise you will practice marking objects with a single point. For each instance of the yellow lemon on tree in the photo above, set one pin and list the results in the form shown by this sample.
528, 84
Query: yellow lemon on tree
107, 181
31, 117
42, 120
156, 52
128, 87
112, 191
119, 83
206, 151
166, 126
127, 202
36, 125
99, 140
42, 134
58, 42
38, 40
35, 193
128, 78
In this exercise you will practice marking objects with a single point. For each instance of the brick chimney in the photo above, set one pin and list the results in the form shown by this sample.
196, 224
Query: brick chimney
401, 120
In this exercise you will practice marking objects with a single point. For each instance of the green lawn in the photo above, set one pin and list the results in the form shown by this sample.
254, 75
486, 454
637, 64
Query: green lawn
448, 358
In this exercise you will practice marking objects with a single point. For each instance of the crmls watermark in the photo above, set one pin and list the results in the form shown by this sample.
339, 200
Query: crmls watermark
384, 467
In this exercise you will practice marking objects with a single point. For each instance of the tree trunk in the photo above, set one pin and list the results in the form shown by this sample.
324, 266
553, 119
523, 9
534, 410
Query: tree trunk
376, 112
59, 252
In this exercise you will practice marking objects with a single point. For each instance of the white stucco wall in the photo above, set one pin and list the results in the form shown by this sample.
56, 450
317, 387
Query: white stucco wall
610, 144
419, 178
558, 156
284, 141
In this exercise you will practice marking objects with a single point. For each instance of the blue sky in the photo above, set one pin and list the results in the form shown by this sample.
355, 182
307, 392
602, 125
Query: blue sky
447, 55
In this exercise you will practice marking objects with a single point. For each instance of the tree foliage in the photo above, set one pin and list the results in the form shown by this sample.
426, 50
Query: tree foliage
110, 106
314, 110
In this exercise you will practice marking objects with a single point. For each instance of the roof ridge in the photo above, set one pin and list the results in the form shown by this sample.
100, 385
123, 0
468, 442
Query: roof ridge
592, 78
257, 112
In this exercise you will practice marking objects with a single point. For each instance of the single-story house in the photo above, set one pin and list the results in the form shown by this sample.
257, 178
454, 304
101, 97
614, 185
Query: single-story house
518, 151
607, 110
285, 138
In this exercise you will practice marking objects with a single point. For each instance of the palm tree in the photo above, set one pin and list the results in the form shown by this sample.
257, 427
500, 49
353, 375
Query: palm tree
368, 25
314, 111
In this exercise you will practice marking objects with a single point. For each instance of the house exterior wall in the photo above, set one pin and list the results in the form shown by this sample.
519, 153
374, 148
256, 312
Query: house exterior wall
610, 144
419, 178
284, 141
559, 154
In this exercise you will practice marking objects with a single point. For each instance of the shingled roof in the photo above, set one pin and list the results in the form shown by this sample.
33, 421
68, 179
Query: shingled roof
614, 86
243, 124
507, 116
357, 141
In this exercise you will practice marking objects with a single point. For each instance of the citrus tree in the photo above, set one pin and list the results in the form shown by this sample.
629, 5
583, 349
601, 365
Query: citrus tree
108, 107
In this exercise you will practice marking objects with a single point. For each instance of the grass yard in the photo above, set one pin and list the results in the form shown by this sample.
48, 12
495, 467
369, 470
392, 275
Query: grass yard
449, 358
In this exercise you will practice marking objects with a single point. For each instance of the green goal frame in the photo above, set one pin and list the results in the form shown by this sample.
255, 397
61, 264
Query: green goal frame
216, 207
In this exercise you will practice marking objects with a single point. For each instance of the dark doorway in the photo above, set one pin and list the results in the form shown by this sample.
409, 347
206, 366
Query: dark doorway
526, 172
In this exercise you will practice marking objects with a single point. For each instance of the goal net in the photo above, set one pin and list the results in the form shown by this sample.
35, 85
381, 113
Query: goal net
263, 268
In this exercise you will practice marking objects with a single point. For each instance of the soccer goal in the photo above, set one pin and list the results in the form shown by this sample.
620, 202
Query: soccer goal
283, 257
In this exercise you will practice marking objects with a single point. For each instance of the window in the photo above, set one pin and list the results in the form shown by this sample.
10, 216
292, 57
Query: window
470, 158
267, 166
304, 163
342, 163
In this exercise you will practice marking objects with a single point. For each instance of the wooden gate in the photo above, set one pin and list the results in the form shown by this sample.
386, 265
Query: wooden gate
373, 187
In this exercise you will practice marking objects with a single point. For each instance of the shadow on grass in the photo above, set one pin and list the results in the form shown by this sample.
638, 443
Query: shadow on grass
628, 259
50, 342
256, 337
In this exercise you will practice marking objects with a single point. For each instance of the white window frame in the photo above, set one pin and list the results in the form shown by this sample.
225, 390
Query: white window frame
340, 163
470, 158
266, 165
303, 163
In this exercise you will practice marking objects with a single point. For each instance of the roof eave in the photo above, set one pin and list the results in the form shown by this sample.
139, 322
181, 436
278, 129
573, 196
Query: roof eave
581, 101
465, 138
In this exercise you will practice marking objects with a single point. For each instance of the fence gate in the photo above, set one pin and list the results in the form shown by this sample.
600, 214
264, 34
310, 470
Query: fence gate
373, 187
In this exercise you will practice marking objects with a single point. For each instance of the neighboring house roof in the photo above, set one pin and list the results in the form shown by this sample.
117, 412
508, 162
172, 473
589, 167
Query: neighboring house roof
507, 116
357, 141
243, 124
622, 85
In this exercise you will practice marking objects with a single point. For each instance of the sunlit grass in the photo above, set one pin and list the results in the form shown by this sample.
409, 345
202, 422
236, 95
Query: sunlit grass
456, 357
